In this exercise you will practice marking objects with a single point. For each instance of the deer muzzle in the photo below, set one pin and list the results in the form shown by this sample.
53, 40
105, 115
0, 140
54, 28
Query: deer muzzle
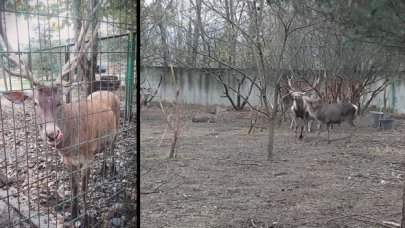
54, 136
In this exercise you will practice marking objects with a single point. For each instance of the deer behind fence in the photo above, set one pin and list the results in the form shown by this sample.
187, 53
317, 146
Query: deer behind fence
77, 130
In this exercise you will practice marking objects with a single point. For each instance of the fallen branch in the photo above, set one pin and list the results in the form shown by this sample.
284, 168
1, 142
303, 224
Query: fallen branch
164, 181
240, 163
367, 219
160, 185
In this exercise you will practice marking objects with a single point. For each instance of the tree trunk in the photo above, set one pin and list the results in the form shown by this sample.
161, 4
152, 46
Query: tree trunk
82, 63
172, 153
270, 139
77, 5
165, 49
190, 54
91, 76
197, 34
403, 205
272, 123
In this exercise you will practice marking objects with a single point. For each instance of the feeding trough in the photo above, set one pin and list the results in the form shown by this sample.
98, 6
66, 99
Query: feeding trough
375, 118
386, 124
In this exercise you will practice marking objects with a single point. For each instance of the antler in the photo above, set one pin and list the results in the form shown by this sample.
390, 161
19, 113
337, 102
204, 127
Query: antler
81, 47
316, 84
290, 83
10, 54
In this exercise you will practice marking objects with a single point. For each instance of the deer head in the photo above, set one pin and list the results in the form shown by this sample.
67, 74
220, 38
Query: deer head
48, 102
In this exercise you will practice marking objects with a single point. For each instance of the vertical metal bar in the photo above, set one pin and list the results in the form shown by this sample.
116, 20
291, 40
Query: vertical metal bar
138, 113
25, 120
129, 79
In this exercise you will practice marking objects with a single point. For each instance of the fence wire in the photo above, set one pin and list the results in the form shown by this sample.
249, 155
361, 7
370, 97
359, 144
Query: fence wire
35, 182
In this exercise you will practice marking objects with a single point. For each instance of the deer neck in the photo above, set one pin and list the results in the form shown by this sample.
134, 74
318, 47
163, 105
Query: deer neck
312, 110
69, 122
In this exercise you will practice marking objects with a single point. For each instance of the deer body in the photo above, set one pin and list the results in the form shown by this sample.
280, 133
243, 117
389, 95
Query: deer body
77, 130
334, 113
92, 119
299, 110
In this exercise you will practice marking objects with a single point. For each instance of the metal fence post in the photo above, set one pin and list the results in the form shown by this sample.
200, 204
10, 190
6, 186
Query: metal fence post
129, 79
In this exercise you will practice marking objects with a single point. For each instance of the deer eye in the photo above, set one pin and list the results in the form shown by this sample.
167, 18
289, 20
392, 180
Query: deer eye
35, 103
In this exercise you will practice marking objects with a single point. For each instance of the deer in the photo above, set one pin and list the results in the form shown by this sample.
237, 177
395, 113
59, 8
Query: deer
334, 113
299, 110
77, 130
300, 114
285, 103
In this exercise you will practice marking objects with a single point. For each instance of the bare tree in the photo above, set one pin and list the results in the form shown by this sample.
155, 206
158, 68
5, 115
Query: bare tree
346, 70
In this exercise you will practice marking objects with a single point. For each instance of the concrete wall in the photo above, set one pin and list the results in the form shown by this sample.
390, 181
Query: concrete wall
196, 86
201, 86
395, 98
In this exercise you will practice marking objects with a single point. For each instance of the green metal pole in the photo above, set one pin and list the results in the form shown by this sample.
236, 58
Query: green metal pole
129, 79
394, 99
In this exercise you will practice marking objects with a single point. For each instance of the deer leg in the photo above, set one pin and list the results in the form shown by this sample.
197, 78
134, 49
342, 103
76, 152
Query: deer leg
75, 187
296, 129
309, 125
113, 170
293, 123
302, 129
85, 179
320, 126
105, 169
104, 166
327, 128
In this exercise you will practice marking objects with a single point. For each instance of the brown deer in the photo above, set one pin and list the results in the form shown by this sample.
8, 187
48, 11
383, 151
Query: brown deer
77, 130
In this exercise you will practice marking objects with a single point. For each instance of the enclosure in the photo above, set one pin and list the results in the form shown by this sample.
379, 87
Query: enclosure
73, 49
221, 177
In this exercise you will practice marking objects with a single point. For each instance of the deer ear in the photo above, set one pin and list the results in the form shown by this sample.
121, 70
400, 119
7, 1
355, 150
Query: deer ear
17, 97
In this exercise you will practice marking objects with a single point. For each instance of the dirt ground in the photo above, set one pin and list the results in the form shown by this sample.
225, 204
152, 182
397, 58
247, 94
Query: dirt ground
221, 177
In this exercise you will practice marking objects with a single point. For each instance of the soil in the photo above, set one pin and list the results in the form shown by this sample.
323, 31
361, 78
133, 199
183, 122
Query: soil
221, 176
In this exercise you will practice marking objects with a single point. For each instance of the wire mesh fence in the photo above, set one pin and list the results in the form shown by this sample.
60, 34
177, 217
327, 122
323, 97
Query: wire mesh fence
67, 141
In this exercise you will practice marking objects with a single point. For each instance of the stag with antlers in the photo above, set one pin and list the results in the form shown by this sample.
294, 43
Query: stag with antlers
78, 130
300, 117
